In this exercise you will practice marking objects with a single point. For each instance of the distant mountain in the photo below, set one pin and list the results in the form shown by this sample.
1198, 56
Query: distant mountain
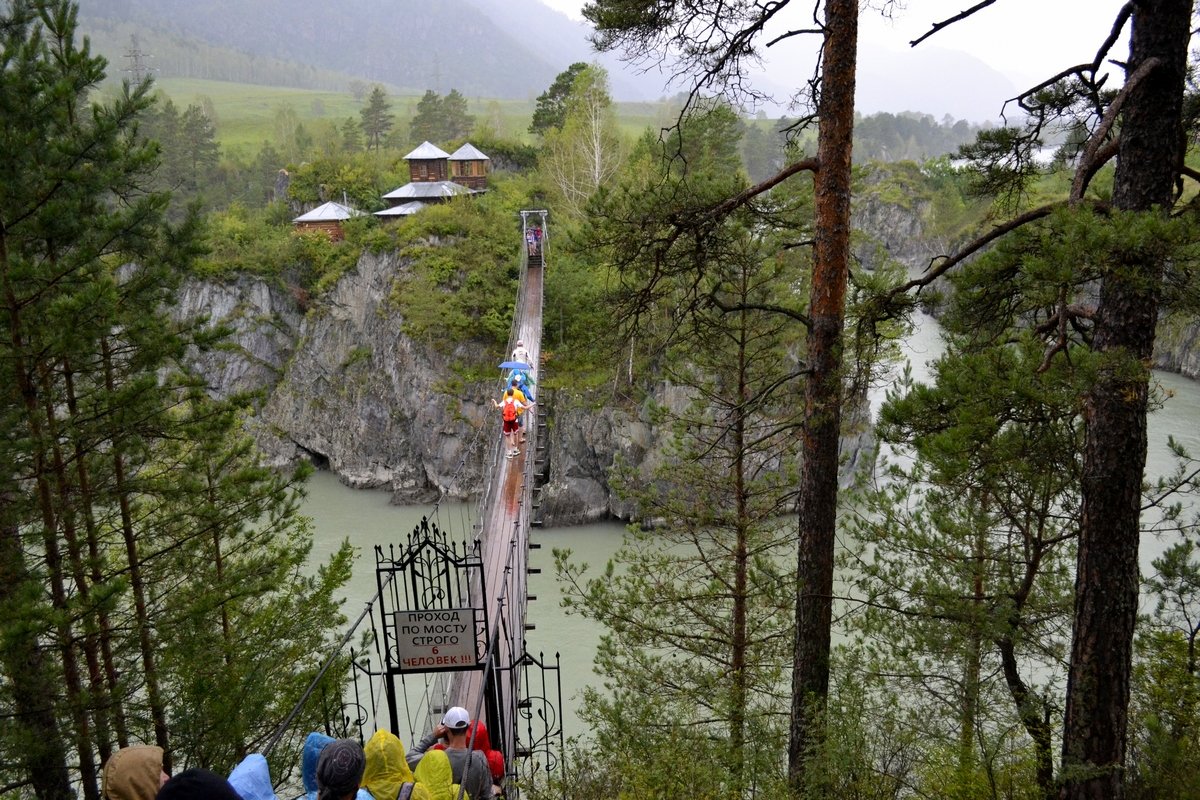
485, 48
490, 48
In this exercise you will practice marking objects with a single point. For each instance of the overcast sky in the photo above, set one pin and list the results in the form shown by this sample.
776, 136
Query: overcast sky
1023, 40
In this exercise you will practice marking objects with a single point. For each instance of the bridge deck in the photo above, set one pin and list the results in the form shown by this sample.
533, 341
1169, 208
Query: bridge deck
503, 529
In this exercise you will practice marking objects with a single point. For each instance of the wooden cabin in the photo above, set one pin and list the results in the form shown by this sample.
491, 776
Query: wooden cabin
436, 176
427, 164
327, 218
470, 167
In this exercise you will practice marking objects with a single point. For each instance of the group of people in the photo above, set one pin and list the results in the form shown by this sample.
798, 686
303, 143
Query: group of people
456, 755
533, 239
516, 400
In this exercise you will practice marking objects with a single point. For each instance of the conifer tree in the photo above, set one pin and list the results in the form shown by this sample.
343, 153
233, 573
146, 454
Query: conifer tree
428, 123
551, 109
377, 119
104, 523
697, 614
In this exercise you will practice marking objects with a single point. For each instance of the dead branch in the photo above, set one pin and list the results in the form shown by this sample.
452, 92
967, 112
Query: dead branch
1097, 160
741, 198
790, 34
937, 26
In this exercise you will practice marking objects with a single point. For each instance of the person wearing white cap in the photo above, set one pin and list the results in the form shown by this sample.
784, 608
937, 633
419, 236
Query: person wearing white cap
470, 766
521, 353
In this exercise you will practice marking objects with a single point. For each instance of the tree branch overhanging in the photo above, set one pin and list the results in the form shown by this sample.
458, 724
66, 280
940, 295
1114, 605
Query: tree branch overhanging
937, 26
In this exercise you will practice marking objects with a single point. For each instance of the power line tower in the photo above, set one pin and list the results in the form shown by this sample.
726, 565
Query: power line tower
138, 69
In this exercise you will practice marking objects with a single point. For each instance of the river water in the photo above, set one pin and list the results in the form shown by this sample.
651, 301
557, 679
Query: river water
367, 519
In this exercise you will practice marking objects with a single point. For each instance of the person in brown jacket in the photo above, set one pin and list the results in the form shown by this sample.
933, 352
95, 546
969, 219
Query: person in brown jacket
133, 773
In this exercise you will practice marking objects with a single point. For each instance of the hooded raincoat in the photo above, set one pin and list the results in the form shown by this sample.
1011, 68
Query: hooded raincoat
132, 773
251, 779
387, 770
435, 774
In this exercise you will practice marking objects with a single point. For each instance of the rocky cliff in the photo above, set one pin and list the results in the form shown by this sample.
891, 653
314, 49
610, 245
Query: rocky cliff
343, 386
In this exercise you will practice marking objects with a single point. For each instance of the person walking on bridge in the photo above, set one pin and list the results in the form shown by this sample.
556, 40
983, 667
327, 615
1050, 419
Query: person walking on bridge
470, 766
510, 409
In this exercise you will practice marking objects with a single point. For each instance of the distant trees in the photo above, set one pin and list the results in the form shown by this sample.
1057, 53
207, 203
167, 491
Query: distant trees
551, 110
440, 119
190, 153
149, 563
377, 119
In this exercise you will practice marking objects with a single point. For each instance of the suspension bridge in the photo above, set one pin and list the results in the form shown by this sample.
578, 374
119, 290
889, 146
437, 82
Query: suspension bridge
448, 620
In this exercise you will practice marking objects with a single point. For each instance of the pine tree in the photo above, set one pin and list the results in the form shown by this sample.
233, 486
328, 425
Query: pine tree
698, 611
551, 109
428, 123
458, 123
106, 531
377, 118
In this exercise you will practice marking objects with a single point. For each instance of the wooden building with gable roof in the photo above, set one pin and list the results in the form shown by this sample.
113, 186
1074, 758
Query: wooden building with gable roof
427, 164
469, 167
435, 177
327, 218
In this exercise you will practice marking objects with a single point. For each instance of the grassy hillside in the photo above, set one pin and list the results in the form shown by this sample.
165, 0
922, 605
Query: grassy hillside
246, 114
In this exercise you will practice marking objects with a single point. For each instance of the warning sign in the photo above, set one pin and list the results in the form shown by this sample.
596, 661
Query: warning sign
442, 639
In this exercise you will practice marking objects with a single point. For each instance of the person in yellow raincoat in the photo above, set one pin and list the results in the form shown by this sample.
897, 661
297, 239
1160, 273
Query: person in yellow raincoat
435, 774
387, 770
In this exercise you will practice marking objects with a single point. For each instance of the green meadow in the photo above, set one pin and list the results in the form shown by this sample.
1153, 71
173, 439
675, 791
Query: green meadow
247, 115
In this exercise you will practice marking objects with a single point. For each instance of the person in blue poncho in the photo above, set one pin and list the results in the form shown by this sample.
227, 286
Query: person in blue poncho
251, 779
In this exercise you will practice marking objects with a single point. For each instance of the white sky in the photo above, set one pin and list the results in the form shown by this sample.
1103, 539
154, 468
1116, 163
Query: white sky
1025, 40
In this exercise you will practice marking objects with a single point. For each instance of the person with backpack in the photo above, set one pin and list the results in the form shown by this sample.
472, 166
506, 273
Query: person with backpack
510, 409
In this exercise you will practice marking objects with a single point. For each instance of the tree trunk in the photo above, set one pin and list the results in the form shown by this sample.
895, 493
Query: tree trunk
1106, 583
44, 757
823, 393
158, 712
113, 707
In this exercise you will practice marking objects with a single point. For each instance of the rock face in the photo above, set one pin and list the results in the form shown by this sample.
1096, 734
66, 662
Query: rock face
1177, 347
343, 386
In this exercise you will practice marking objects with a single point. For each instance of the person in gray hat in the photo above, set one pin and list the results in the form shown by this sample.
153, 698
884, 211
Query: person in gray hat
470, 766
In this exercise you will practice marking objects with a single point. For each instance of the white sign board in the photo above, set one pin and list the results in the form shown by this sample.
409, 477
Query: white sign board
442, 639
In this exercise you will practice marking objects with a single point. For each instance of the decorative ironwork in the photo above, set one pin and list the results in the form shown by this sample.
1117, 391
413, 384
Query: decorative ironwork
438, 580
540, 740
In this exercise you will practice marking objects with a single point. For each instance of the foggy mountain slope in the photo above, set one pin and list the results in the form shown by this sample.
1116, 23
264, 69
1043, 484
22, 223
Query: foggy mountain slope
410, 44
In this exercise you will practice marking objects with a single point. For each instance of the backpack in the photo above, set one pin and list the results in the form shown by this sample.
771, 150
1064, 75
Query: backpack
405, 791
509, 409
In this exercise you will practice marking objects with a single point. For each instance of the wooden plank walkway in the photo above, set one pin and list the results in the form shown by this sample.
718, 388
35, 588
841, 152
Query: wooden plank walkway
503, 529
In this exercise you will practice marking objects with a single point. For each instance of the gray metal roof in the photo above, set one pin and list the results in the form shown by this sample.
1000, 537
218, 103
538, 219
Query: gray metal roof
468, 152
427, 151
402, 210
329, 212
426, 190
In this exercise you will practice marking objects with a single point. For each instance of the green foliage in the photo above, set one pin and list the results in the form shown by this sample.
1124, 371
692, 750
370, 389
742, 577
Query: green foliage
377, 119
587, 152
1165, 718
462, 272
551, 110
166, 604
440, 119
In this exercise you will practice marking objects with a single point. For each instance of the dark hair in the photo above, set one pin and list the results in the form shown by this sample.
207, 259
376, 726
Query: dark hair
198, 783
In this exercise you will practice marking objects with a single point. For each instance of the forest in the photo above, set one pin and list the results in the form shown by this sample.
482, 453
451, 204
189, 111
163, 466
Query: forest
965, 619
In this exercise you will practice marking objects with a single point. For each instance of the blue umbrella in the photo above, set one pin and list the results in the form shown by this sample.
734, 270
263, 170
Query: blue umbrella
513, 365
